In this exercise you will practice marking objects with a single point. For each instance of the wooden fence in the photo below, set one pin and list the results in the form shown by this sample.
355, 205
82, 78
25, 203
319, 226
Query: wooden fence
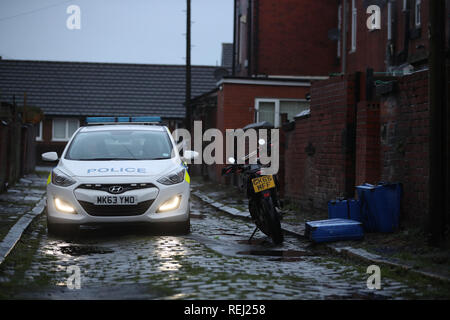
17, 145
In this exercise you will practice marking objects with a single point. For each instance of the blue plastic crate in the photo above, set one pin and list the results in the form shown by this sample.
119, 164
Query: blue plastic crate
344, 209
380, 206
333, 230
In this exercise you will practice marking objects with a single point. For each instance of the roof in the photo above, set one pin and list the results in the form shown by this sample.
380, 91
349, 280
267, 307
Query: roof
102, 89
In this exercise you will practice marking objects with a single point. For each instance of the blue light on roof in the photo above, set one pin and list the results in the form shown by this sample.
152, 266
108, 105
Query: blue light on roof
146, 119
100, 119
92, 120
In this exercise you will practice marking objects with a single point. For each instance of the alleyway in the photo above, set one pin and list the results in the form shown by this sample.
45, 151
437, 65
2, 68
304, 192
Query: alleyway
213, 262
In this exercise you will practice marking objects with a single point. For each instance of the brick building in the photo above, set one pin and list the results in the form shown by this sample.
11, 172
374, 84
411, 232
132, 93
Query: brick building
274, 60
368, 90
370, 122
274, 38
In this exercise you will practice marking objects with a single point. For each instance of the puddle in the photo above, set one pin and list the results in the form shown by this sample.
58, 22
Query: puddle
84, 250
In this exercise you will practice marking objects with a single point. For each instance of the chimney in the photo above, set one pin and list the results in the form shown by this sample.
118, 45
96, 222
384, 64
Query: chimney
227, 55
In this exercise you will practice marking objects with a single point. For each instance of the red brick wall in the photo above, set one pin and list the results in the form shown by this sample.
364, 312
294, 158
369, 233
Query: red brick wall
236, 103
392, 143
314, 179
285, 37
293, 37
404, 119
372, 46
368, 143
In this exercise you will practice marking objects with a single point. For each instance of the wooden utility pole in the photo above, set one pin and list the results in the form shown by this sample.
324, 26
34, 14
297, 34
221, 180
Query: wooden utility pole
438, 190
188, 66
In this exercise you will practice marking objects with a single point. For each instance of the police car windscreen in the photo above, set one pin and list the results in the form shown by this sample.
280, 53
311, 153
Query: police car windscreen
120, 145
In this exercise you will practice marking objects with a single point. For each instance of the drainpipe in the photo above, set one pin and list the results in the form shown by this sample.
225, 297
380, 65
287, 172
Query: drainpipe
188, 67
344, 37
249, 38
255, 36
234, 40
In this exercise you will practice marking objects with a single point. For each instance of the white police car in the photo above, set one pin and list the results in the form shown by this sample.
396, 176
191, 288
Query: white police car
117, 172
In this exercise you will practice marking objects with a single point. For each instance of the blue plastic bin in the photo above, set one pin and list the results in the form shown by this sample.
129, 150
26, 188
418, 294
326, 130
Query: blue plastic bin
380, 206
344, 209
333, 230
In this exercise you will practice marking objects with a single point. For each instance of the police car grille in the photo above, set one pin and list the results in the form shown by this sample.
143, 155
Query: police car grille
125, 187
116, 211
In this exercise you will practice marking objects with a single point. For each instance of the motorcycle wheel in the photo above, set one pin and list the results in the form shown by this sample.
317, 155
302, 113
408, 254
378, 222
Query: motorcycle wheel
272, 226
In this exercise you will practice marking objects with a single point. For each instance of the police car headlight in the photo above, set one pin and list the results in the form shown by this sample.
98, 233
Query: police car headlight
61, 179
174, 177
171, 204
64, 206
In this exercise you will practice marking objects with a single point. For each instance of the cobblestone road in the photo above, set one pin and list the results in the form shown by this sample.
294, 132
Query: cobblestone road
213, 262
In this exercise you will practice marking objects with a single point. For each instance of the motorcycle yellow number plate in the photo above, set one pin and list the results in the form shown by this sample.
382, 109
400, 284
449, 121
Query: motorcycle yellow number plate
263, 183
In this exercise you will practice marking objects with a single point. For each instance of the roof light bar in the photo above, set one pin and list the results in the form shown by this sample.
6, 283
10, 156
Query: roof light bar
112, 120
146, 119
100, 119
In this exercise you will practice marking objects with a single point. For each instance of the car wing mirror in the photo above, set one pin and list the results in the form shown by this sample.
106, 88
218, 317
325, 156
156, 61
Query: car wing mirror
50, 156
190, 155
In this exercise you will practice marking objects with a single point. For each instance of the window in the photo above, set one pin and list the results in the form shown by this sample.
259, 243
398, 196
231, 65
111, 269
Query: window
405, 5
38, 128
270, 109
417, 13
63, 129
354, 12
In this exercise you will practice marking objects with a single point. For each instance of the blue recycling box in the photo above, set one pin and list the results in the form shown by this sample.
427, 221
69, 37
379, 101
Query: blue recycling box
380, 206
333, 230
344, 209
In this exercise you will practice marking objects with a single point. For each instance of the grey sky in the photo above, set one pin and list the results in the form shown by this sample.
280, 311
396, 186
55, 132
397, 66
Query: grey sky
132, 31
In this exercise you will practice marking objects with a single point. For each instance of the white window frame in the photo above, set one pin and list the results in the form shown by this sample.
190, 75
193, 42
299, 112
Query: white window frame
277, 107
354, 26
39, 137
67, 137
417, 13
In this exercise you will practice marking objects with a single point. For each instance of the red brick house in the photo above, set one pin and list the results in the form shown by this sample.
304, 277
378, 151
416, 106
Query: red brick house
370, 122
368, 89
274, 60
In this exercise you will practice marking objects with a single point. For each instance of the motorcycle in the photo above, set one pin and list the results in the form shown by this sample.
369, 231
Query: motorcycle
262, 195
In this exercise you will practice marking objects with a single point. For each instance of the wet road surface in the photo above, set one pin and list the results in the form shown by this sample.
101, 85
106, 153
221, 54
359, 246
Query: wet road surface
214, 261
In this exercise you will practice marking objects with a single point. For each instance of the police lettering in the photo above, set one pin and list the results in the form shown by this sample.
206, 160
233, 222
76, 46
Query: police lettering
117, 170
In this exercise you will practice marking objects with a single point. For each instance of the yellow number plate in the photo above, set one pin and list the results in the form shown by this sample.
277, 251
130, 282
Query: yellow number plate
263, 183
